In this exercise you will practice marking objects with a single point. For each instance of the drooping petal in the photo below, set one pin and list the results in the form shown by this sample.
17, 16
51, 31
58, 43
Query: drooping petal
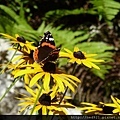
20, 63
86, 63
8, 36
72, 77
26, 79
90, 55
94, 60
71, 81
69, 85
90, 104
36, 78
116, 103
22, 72
91, 64
59, 82
37, 108
21, 110
116, 111
46, 81
44, 110
30, 91
17, 58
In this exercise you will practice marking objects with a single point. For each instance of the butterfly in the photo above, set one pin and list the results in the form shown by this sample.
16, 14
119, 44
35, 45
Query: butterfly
46, 51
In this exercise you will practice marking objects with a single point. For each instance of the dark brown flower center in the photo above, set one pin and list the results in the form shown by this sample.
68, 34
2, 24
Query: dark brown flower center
49, 67
79, 55
21, 39
31, 54
45, 99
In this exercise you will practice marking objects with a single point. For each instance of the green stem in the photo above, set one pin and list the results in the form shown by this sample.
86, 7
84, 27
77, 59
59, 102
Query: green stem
8, 62
9, 89
73, 71
36, 100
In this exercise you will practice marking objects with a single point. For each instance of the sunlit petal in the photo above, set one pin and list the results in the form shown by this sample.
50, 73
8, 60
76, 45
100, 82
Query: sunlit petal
46, 81
8, 36
72, 77
44, 110
76, 49
22, 72
30, 91
68, 51
59, 82
37, 108
36, 78
86, 63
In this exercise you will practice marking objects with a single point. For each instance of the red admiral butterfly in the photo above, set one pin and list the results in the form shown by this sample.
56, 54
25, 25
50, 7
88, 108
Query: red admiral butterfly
46, 51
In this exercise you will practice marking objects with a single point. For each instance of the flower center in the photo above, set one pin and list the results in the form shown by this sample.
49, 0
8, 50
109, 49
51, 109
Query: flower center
45, 99
31, 54
21, 39
79, 55
49, 67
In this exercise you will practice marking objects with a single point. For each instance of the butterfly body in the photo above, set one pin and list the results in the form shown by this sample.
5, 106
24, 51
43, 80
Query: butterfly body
46, 51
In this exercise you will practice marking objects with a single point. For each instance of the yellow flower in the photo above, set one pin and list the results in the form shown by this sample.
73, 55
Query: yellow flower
50, 75
20, 41
24, 58
91, 108
80, 57
115, 104
26, 49
47, 103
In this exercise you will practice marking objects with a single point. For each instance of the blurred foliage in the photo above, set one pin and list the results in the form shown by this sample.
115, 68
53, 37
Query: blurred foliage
83, 23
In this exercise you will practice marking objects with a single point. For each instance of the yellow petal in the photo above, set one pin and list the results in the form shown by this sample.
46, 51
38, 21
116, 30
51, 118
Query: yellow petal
21, 110
22, 72
25, 103
89, 111
72, 77
94, 60
76, 49
44, 110
70, 86
116, 103
68, 79
63, 54
110, 104
64, 111
116, 111
20, 62
78, 61
8, 36
68, 51
93, 65
72, 60
30, 91
17, 58
26, 79
37, 108
46, 81
36, 78
86, 63
90, 55
59, 82
90, 104
16, 35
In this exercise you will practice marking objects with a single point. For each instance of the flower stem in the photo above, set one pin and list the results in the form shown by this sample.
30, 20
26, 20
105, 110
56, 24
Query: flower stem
13, 83
73, 71
36, 100
9, 61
